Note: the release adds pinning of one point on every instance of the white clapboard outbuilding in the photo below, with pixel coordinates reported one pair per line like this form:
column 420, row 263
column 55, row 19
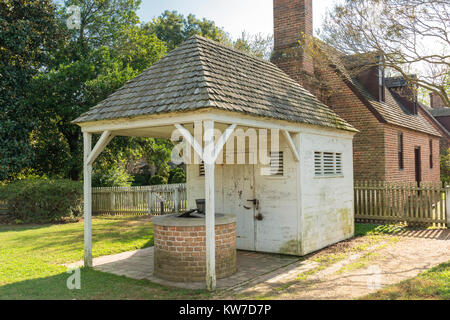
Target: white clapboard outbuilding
column 292, row 199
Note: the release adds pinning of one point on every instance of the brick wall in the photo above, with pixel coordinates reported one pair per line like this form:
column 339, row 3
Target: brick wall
column 368, row 144
column 180, row 252
column 411, row 140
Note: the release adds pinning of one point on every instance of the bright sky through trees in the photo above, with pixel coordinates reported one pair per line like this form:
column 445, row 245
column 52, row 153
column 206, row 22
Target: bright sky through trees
column 235, row 16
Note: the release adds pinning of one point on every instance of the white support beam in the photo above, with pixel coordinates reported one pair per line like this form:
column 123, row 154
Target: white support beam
column 222, row 140
column 190, row 139
column 291, row 144
column 87, row 141
column 209, row 204
column 162, row 120
column 105, row 138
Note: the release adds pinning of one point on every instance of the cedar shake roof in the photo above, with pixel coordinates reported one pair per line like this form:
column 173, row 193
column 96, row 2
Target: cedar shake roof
column 391, row 110
column 429, row 113
column 201, row 73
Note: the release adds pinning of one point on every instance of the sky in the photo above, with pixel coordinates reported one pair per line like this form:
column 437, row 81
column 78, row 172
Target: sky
column 234, row 16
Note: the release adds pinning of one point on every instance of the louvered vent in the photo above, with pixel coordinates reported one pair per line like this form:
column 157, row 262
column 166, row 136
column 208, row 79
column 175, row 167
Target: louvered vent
column 338, row 163
column 276, row 163
column 318, row 163
column 201, row 169
column 327, row 164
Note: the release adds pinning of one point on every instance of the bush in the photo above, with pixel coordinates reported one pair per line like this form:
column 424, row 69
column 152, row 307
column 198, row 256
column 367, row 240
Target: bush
column 140, row 180
column 177, row 175
column 445, row 166
column 156, row 180
column 111, row 175
column 43, row 201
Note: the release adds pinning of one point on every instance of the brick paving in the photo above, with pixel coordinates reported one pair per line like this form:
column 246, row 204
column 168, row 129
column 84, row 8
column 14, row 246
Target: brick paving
column 138, row 264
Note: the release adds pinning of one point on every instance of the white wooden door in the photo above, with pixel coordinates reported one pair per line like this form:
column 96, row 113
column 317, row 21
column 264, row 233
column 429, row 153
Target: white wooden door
column 239, row 187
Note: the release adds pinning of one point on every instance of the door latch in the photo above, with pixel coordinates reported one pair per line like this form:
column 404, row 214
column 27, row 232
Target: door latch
column 255, row 204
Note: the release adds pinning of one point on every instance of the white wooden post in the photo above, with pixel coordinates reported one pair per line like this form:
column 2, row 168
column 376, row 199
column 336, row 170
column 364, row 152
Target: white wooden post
column 175, row 199
column 447, row 205
column 87, row 137
column 150, row 202
column 208, row 158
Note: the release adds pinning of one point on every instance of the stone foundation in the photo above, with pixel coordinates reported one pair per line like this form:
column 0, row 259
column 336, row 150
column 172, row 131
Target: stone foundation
column 180, row 247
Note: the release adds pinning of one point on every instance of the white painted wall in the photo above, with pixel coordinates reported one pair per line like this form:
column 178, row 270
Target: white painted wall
column 326, row 213
column 293, row 206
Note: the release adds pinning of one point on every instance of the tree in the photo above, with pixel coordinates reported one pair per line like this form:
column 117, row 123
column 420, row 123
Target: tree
column 445, row 166
column 409, row 35
column 100, row 23
column 258, row 45
column 173, row 28
column 113, row 174
column 93, row 63
column 28, row 33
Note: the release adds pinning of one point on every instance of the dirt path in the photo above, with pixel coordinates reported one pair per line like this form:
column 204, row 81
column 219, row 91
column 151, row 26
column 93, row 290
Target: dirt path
column 388, row 262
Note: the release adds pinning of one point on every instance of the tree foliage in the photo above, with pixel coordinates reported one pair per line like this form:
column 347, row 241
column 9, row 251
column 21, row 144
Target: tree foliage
column 50, row 74
column 445, row 166
column 28, row 33
column 96, row 60
column 410, row 35
column 173, row 28
column 257, row 45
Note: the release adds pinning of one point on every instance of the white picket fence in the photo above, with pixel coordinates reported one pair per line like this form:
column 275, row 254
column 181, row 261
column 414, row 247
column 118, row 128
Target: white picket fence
column 154, row 200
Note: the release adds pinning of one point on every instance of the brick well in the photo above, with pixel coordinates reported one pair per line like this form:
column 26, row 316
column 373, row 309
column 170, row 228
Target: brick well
column 180, row 247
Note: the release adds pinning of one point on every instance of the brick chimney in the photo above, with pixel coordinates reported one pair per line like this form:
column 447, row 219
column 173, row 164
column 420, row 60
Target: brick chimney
column 292, row 19
column 436, row 101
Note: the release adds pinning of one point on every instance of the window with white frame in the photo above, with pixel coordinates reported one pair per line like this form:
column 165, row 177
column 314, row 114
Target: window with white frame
column 327, row 164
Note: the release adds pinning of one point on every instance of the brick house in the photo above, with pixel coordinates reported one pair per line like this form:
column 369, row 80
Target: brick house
column 396, row 142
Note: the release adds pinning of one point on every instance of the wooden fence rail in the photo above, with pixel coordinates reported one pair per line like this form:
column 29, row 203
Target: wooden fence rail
column 160, row 199
column 401, row 202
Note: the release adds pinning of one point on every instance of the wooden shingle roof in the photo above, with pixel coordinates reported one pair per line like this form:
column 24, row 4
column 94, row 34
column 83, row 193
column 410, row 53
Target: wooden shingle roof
column 204, row 74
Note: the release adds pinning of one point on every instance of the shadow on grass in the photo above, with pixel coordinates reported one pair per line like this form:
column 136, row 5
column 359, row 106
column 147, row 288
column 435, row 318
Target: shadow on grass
column 94, row 285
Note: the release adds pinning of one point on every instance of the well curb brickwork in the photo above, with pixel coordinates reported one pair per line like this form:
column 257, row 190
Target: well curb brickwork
column 180, row 252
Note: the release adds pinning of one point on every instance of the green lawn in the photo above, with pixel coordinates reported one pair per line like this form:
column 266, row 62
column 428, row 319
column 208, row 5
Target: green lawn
column 31, row 258
column 433, row 284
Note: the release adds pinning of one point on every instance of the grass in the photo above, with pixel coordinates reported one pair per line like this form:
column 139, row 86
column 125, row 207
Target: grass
column 31, row 258
column 434, row 284
column 368, row 229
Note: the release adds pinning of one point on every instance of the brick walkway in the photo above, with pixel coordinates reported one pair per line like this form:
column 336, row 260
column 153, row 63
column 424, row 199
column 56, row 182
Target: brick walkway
column 139, row 265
